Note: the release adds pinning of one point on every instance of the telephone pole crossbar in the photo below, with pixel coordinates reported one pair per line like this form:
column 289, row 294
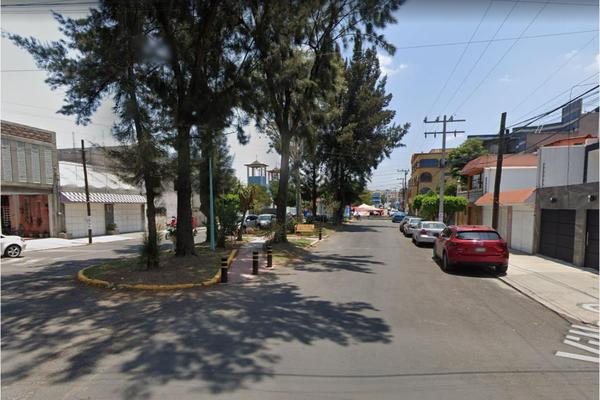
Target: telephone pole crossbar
column 444, row 132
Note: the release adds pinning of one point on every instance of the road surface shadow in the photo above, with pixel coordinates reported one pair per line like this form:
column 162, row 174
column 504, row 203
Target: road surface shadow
column 223, row 338
column 336, row 262
column 470, row 271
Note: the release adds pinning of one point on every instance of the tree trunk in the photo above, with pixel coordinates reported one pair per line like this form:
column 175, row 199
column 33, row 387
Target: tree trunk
column 185, row 236
column 314, row 189
column 153, row 256
column 282, row 191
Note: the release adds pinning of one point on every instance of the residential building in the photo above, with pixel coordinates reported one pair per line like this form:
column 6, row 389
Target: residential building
column 115, row 205
column 567, row 201
column 517, row 200
column 426, row 173
column 376, row 199
column 29, row 181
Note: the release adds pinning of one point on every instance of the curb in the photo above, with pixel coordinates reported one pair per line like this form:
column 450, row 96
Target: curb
column 106, row 284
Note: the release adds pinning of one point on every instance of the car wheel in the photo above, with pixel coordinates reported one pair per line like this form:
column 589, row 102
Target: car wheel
column 501, row 269
column 13, row 251
column 446, row 266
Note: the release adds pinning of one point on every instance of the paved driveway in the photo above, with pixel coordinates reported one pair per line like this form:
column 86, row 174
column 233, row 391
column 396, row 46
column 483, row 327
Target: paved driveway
column 370, row 316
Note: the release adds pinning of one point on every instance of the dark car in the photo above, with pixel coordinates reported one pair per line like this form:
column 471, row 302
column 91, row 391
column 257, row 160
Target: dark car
column 471, row 245
column 398, row 216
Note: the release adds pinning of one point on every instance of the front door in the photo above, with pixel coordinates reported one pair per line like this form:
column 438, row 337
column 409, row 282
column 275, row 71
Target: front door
column 591, row 240
column 109, row 216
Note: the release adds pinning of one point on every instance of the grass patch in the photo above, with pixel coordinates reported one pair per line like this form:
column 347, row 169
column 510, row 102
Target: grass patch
column 173, row 270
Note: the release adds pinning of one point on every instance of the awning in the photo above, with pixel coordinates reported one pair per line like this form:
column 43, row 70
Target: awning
column 521, row 196
column 78, row 197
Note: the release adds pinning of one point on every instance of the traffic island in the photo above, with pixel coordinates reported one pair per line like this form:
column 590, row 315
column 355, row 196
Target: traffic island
column 174, row 273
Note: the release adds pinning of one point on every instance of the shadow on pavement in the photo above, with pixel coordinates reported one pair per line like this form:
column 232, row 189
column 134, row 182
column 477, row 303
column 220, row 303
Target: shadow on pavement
column 470, row 271
column 221, row 336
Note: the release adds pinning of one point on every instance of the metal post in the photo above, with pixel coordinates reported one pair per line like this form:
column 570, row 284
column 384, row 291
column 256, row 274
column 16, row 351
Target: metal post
column 269, row 256
column 254, row 262
column 442, row 174
column 211, row 205
column 224, row 270
column 499, row 159
column 320, row 233
column 87, row 194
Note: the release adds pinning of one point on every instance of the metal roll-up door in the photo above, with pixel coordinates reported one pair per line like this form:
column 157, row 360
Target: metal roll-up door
column 591, row 239
column 557, row 234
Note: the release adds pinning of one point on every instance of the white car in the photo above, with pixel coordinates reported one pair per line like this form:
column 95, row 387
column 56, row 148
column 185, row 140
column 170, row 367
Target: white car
column 12, row 246
column 411, row 225
column 427, row 231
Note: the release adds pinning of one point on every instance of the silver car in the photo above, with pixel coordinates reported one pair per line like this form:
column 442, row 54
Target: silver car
column 410, row 225
column 427, row 231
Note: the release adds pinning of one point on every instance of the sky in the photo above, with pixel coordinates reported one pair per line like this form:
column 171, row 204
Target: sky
column 444, row 64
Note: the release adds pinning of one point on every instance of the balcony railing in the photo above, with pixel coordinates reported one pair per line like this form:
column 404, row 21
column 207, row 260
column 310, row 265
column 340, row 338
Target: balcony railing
column 471, row 195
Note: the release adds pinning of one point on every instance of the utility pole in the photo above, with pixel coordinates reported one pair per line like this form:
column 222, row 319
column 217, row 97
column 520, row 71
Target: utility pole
column 87, row 194
column 444, row 123
column 405, row 187
column 499, row 159
column 211, row 204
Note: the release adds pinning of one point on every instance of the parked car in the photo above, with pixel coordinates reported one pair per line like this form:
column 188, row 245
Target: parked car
column 12, row 246
column 265, row 221
column 411, row 225
column 398, row 216
column 250, row 221
column 427, row 231
column 471, row 245
column 404, row 221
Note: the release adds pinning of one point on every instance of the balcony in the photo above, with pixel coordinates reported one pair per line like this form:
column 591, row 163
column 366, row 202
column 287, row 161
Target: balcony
column 471, row 195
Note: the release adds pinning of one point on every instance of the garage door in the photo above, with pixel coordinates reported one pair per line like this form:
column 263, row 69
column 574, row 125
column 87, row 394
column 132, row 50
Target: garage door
column 591, row 246
column 557, row 233
column 128, row 217
column 522, row 229
column 75, row 219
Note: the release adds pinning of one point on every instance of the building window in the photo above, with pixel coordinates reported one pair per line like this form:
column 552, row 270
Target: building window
column 429, row 163
column 35, row 164
column 425, row 177
column 21, row 163
column 48, row 166
column 6, row 162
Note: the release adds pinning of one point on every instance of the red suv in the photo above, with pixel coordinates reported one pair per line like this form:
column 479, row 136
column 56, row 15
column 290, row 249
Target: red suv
column 471, row 244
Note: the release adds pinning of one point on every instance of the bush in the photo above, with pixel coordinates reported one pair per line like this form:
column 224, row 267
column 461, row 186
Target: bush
column 227, row 210
column 429, row 206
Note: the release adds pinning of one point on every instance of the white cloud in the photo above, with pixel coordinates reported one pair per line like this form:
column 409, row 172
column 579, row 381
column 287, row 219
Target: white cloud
column 386, row 64
column 570, row 54
column 595, row 66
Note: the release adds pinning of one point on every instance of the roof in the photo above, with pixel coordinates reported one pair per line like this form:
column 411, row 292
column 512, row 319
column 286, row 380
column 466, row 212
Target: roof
column 71, row 175
column 255, row 163
column 489, row 161
column 79, row 197
column 520, row 196
column 26, row 132
column 578, row 140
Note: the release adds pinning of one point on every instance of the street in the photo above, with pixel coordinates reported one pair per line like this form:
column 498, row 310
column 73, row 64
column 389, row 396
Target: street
column 368, row 316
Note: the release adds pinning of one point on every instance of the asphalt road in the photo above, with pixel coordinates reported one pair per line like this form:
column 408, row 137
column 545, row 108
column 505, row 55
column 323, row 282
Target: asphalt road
column 370, row 316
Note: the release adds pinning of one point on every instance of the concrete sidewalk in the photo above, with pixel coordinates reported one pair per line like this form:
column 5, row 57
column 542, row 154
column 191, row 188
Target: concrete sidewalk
column 568, row 290
column 240, row 270
column 56, row 243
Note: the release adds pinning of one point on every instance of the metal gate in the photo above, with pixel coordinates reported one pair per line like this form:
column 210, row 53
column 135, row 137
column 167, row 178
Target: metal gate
column 557, row 234
column 591, row 239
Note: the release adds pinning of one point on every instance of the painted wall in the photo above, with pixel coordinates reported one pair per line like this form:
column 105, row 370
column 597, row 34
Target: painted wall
column 560, row 166
column 592, row 166
column 513, row 178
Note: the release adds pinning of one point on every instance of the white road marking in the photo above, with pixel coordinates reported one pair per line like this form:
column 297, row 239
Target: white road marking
column 577, row 357
column 573, row 338
column 585, row 328
column 597, row 343
column 590, row 307
column 582, row 346
column 580, row 333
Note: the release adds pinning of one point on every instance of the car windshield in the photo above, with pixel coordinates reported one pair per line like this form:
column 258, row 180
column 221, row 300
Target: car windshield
column 478, row 235
column 433, row 225
column 414, row 220
column 264, row 217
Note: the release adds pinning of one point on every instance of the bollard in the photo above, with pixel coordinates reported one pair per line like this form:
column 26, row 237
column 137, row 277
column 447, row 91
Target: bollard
column 269, row 257
column 224, row 269
column 320, row 233
column 255, row 263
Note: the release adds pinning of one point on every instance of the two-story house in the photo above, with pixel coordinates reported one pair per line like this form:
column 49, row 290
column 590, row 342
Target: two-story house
column 517, row 197
column 426, row 173
column 567, row 201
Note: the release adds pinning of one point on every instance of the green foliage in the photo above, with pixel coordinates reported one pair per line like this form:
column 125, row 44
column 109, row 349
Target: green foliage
column 428, row 206
column 418, row 200
column 460, row 156
column 450, row 189
column 227, row 209
column 262, row 198
column 365, row 197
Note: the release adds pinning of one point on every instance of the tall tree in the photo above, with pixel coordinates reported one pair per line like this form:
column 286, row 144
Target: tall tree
column 360, row 133
column 469, row 150
column 101, row 57
column 296, row 44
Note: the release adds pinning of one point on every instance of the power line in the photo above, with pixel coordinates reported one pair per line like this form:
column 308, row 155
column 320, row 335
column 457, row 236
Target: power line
column 460, row 58
column 480, row 56
column 501, row 58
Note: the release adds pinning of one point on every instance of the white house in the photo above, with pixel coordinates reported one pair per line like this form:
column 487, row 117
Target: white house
column 114, row 203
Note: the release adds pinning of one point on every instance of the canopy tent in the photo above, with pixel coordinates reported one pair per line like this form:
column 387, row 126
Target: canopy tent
column 365, row 209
